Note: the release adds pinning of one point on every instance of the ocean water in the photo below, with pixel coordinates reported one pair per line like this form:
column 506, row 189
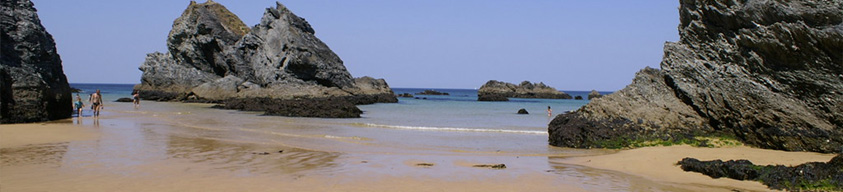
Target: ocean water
column 454, row 123
column 110, row 92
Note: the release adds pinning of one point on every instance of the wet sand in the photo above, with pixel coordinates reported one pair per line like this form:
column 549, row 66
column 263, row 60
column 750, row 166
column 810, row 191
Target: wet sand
column 37, row 133
column 141, row 150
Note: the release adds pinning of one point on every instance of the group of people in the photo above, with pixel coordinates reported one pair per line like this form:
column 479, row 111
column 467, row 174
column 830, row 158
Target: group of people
column 96, row 102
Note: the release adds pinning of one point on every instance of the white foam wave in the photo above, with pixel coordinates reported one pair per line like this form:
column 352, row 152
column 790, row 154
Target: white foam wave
column 455, row 129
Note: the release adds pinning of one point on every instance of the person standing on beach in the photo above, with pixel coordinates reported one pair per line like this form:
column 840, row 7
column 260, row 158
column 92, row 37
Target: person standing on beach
column 96, row 103
column 78, row 106
column 136, row 98
column 549, row 111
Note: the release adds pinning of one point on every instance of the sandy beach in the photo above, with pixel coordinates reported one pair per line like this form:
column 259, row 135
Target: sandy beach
column 658, row 164
column 140, row 150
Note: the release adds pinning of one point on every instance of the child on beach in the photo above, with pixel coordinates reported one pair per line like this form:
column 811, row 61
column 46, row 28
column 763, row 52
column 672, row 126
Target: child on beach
column 136, row 98
column 549, row 111
column 78, row 106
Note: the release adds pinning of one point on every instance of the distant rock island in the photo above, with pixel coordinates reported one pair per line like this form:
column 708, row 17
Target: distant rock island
column 432, row 92
column 767, row 73
column 502, row 91
column 214, row 57
column 33, row 86
column 594, row 94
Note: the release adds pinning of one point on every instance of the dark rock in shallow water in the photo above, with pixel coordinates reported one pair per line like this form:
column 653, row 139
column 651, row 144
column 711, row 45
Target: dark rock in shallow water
column 405, row 95
column 493, row 166
column 808, row 176
column 432, row 92
column 768, row 73
column 578, row 97
column 317, row 107
column 495, row 90
column 492, row 97
column 214, row 57
column 124, row 99
column 33, row 86
column 523, row 111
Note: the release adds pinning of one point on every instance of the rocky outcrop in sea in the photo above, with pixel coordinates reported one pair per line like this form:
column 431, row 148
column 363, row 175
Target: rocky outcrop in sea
column 33, row 86
column 501, row 91
column 214, row 57
column 432, row 92
column 769, row 73
column 594, row 94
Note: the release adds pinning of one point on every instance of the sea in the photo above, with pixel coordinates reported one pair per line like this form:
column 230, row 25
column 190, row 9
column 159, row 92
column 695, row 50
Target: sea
column 454, row 123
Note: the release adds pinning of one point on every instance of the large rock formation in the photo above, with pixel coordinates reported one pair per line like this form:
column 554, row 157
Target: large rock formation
column 32, row 83
column 500, row 91
column 769, row 73
column 213, row 56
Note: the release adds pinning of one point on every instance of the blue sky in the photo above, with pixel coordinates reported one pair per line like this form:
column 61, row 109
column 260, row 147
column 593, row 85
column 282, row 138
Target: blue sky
column 570, row 45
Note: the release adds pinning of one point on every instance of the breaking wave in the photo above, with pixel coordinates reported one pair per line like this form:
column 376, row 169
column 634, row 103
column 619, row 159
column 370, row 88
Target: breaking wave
column 454, row 129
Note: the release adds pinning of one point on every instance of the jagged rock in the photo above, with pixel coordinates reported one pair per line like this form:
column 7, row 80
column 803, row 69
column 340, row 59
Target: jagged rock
column 33, row 86
column 213, row 57
column 523, row 111
column 578, row 97
column 200, row 35
column 285, row 41
column 432, row 92
column 808, row 176
column 374, row 90
column 495, row 90
column 164, row 79
column 766, row 72
column 593, row 94
column 219, row 89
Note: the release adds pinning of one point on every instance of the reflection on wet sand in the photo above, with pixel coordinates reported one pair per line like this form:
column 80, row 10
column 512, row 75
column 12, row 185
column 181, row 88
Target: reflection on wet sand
column 604, row 180
column 248, row 158
column 50, row 154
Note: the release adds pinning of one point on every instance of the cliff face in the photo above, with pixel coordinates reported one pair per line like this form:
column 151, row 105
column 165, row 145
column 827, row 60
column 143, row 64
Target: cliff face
column 769, row 73
column 500, row 91
column 213, row 56
column 32, row 83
